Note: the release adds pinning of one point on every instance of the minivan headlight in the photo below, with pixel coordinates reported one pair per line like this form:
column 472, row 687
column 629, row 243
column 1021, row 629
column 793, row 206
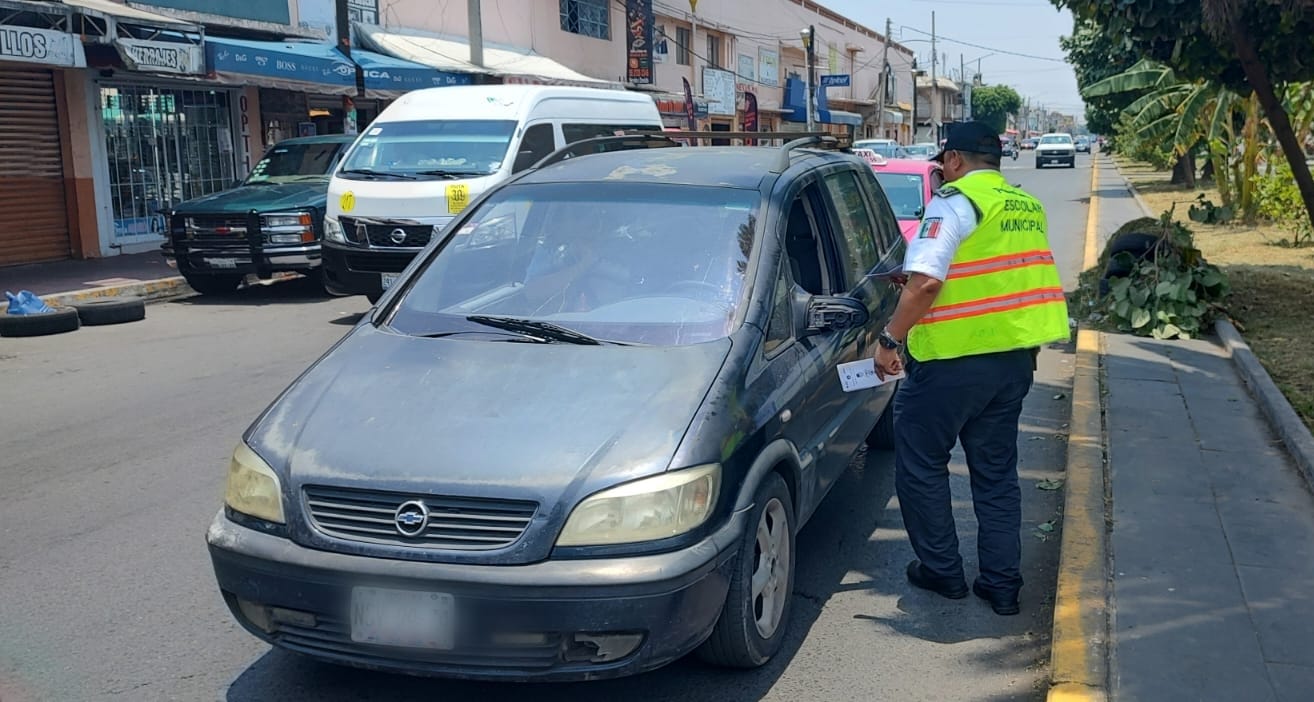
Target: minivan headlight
column 253, row 487
column 654, row 508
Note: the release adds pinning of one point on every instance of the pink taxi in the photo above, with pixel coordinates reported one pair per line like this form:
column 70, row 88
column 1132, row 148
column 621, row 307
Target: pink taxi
column 908, row 185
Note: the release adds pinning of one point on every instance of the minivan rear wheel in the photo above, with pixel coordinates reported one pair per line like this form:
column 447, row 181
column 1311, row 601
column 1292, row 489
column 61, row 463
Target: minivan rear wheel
column 756, row 610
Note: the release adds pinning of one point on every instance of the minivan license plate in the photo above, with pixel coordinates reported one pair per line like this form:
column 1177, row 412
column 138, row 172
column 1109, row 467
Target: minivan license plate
column 408, row 618
column 387, row 279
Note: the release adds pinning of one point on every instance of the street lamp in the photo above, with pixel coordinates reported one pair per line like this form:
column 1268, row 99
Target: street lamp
column 915, row 73
column 807, row 33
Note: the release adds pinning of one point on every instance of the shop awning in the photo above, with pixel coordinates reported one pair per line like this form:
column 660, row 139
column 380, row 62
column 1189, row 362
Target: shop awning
column 303, row 67
column 513, row 65
column 113, row 12
column 38, row 32
column 387, row 76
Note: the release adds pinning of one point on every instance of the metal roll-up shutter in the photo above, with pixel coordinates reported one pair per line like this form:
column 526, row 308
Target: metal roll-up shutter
column 31, row 169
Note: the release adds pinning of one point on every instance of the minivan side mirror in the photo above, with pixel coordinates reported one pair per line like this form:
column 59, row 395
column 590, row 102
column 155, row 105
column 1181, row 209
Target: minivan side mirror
column 827, row 313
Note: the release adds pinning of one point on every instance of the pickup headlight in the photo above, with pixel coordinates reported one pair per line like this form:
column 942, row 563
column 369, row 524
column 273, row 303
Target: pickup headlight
column 288, row 227
column 253, row 487
column 654, row 508
column 333, row 230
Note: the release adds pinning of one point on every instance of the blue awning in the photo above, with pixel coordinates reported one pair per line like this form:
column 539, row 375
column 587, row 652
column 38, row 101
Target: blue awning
column 305, row 67
column 386, row 76
column 795, row 102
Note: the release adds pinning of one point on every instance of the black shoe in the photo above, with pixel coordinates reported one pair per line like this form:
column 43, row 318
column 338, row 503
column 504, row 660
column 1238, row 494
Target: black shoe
column 953, row 588
column 1004, row 603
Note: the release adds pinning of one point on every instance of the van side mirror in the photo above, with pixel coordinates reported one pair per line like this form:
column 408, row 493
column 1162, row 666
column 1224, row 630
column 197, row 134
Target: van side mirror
column 827, row 313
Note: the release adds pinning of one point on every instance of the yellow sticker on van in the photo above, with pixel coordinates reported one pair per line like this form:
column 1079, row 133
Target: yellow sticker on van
column 347, row 202
column 458, row 196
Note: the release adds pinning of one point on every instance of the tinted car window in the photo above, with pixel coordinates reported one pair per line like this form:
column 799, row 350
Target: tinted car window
column 579, row 132
column 413, row 149
column 780, row 327
column 537, row 143
column 637, row 262
column 854, row 224
column 286, row 162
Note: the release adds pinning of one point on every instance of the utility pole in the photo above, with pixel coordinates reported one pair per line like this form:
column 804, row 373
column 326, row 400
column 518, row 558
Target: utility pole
column 962, row 96
column 885, row 81
column 476, row 33
column 810, row 42
column 343, row 21
column 935, row 104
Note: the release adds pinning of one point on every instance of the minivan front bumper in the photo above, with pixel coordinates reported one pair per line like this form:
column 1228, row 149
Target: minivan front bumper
column 556, row 620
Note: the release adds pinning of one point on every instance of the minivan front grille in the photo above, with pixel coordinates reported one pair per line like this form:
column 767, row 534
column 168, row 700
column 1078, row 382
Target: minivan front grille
column 455, row 523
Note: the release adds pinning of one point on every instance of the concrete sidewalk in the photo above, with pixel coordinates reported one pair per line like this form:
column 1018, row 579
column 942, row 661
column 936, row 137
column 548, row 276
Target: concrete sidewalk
column 1212, row 537
column 145, row 275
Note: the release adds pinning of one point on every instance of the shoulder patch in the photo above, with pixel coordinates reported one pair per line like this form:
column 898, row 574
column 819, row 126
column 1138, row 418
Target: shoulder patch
column 947, row 191
column 930, row 228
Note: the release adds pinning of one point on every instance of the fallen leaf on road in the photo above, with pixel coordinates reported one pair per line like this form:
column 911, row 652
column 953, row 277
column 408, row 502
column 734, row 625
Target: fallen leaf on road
column 1059, row 396
column 1049, row 484
column 1046, row 527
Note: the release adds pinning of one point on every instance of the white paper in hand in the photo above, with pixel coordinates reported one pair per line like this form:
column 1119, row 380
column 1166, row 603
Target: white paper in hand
column 860, row 375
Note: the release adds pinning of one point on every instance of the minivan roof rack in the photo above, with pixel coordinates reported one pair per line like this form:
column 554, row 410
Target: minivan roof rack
column 628, row 141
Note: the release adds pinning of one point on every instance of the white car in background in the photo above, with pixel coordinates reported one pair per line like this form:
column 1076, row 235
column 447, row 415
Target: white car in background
column 1056, row 148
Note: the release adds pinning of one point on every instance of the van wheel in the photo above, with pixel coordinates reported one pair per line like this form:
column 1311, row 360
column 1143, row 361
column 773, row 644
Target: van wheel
column 881, row 437
column 755, row 615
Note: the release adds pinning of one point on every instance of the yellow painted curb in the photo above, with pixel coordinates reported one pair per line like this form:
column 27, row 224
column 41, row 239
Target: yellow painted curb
column 1078, row 657
column 147, row 289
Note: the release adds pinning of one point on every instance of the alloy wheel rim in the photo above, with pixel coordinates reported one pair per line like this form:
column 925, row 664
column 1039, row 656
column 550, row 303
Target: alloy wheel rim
column 771, row 567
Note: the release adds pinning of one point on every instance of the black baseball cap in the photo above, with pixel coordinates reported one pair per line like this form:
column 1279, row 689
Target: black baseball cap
column 972, row 137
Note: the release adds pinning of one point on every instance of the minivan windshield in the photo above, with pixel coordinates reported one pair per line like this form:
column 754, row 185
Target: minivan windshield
column 429, row 149
column 286, row 163
column 641, row 263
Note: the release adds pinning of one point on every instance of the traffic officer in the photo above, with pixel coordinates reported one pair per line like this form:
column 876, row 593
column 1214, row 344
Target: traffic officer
column 982, row 296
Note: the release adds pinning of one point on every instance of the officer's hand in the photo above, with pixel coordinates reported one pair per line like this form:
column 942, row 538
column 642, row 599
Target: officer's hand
column 888, row 362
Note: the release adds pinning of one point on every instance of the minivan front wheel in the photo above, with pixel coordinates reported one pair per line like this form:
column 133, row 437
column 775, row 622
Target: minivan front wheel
column 756, row 611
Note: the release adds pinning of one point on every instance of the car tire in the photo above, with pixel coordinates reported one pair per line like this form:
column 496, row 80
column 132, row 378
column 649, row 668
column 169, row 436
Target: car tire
column 1138, row 244
column 742, row 638
column 214, row 284
column 114, row 310
column 1039, row 164
column 1073, row 162
column 58, row 321
column 881, row 437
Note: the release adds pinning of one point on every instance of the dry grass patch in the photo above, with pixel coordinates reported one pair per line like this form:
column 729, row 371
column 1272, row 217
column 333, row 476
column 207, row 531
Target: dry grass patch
column 1272, row 286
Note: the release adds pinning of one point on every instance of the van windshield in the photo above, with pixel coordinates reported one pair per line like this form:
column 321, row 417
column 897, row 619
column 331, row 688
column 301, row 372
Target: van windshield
column 429, row 149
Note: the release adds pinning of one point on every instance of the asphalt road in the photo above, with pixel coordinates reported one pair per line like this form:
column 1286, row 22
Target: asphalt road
column 113, row 448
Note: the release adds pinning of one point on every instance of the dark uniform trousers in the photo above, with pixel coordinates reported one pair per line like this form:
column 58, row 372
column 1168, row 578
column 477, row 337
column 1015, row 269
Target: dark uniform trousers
column 978, row 400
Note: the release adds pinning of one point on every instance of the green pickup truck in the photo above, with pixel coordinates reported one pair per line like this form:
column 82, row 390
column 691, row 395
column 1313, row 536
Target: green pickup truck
column 271, row 222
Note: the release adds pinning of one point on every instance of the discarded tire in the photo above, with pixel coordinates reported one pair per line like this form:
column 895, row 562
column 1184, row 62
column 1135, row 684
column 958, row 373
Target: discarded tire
column 1140, row 245
column 114, row 310
column 62, row 319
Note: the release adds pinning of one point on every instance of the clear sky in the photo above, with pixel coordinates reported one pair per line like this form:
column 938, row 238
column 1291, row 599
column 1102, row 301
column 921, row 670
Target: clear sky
column 1030, row 27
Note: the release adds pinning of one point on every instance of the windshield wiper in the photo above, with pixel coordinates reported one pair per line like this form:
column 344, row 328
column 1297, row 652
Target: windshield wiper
column 543, row 330
column 449, row 174
column 376, row 174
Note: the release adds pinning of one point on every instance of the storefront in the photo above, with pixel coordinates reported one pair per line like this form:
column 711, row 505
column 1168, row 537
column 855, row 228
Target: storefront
column 33, row 129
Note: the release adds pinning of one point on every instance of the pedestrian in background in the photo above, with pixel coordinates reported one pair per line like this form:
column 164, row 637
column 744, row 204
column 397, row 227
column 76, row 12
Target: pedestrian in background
column 983, row 295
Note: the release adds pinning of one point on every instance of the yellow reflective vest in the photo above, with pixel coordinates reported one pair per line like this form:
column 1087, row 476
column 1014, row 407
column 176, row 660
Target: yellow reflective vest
column 1002, row 291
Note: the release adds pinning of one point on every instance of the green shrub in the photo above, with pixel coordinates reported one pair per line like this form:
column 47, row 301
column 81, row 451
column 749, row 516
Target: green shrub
column 1172, row 294
column 1278, row 199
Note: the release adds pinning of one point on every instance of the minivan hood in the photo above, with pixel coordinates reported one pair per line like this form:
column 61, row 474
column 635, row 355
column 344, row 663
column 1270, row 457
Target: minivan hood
column 262, row 198
column 470, row 416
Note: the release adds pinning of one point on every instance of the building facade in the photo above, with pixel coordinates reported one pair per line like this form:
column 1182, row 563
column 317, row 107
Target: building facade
column 115, row 111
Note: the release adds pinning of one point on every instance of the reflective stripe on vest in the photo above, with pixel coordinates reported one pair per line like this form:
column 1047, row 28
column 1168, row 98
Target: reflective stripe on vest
column 1002, row 291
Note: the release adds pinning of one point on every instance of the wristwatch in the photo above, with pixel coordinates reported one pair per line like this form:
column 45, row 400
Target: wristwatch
column 887, row 340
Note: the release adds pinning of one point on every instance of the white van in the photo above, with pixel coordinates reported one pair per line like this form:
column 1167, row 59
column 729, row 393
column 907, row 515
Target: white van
column 433, row 151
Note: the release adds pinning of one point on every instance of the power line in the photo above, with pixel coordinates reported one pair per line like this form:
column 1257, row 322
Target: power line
column 941, row 37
